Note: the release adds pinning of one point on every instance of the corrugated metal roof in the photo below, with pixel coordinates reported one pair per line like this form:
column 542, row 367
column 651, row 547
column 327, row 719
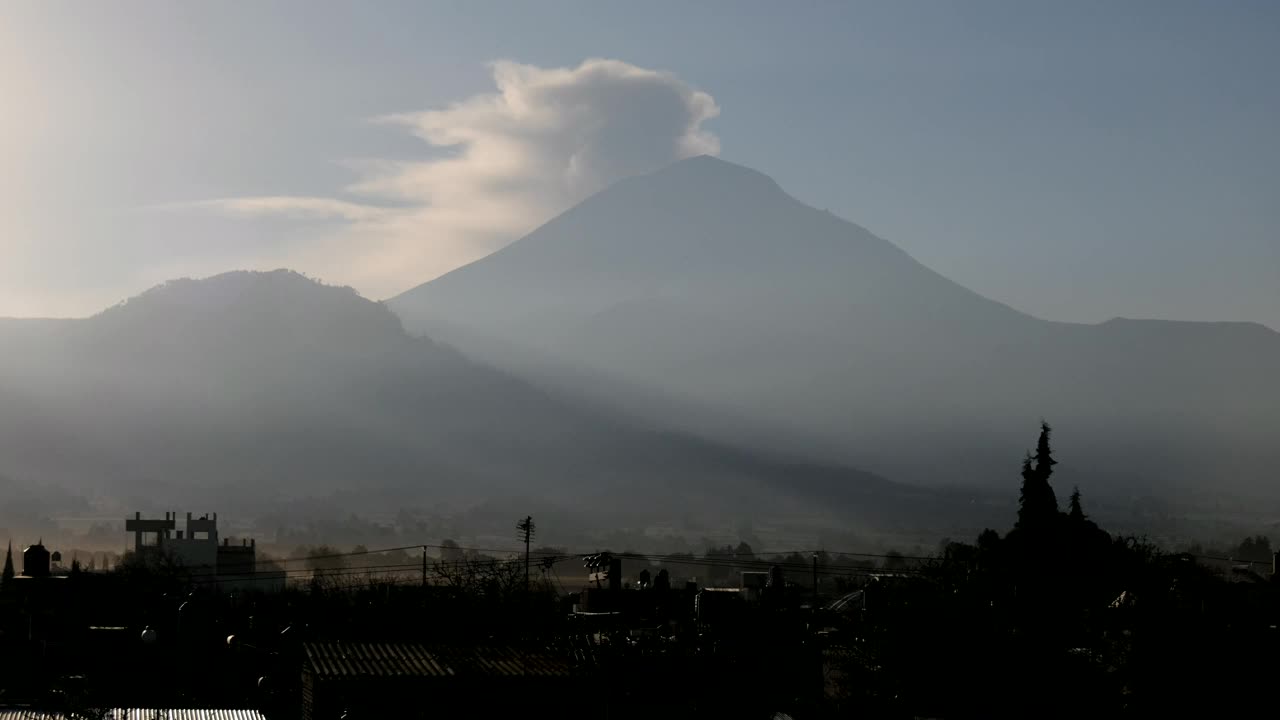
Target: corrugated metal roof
column 143, row 714
column 186, row 714
column 412, row 660
column 374, row 659
column 506, row 661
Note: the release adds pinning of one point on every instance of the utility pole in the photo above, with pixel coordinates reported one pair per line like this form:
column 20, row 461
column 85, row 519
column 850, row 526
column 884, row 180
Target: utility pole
column 424, row 567
column 527, row 529
column 815, row 582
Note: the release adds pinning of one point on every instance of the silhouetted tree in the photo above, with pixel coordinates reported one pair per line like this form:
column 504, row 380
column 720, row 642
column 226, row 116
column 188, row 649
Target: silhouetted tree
column 662, row 583
column 1076, row 513
column 1044, row 455
column 1254, row 549
column 1038, row 505
column 483, row 578
column 8, row 563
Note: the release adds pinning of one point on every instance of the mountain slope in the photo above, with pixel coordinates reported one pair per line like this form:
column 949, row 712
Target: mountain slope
column 254, row 387
column 705, row 281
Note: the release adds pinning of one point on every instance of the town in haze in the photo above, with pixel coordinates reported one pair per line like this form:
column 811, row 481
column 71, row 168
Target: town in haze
column 411, row 360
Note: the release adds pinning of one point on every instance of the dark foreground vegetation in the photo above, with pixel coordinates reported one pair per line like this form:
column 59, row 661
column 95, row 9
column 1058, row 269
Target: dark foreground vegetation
column 1054, row 618
column 1059, row 618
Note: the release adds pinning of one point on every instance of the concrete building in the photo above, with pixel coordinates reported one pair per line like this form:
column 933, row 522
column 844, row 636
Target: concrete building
column 197, row 548
column 237, row 559
column 194, row 547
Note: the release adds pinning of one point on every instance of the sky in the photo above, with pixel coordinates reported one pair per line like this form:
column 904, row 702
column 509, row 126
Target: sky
column 1079, row 161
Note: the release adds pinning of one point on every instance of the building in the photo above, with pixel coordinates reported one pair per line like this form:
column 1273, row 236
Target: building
column 718, row 606
column 197, row 548
column 28, row 713
column 35, row 560
column 402, row 680
column 754, row 585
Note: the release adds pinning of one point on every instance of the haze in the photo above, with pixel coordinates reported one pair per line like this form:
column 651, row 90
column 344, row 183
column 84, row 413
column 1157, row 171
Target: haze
column 836, row 263
column 690, row 359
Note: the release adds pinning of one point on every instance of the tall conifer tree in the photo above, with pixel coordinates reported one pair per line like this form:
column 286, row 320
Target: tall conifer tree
column 1038, row 505
column 1076, row 512
column 8, row 563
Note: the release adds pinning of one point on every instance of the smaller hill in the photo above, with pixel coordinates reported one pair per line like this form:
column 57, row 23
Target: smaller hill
column 249, row 388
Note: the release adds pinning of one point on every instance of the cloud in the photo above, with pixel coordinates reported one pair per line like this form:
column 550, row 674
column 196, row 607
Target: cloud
column 297, row 207
column 505, row 162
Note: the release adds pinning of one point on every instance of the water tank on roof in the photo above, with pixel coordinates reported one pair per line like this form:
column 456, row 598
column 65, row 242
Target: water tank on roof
column 35, row 561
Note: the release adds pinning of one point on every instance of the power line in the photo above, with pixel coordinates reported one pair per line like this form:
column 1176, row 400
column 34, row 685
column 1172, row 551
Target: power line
column 837, row 553
column 831, row 553
column 342, row 570
column 400, row 573
column 714, row 561
column 558, row 582
column 1231, row 559
column 557, row 557
column 349, row 554
column 297, row 573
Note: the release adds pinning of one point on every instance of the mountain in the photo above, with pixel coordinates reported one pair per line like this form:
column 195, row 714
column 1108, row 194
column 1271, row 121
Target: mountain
column 770, row 323
column 248, row 389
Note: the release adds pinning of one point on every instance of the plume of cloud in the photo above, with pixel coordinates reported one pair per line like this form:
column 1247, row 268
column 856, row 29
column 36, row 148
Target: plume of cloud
column 294, row 206
column 506, row 162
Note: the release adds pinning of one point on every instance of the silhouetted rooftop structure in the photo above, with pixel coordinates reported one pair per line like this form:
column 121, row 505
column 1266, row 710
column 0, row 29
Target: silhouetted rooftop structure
column 418, row 681
column 415, row 660
column 35, row 561
column 140, row 714
column 233, row 565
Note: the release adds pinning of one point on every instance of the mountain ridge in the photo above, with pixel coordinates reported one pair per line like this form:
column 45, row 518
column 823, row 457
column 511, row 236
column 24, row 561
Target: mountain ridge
column 700, row 167
column 254, row 388
column 703, row 281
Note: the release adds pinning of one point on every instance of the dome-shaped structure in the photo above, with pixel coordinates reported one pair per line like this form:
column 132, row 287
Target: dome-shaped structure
column 35, row 561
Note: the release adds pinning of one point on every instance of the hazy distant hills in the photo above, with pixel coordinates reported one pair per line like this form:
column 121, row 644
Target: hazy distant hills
column 705, row 297
column 689, row 345
column 253, row 387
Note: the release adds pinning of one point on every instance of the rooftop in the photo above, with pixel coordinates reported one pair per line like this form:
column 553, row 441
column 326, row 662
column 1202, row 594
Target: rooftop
column 414, row 660
column 141, row 714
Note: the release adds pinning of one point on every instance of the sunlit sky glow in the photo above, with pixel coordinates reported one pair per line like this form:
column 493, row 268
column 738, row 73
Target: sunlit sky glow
column 1076, row 160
